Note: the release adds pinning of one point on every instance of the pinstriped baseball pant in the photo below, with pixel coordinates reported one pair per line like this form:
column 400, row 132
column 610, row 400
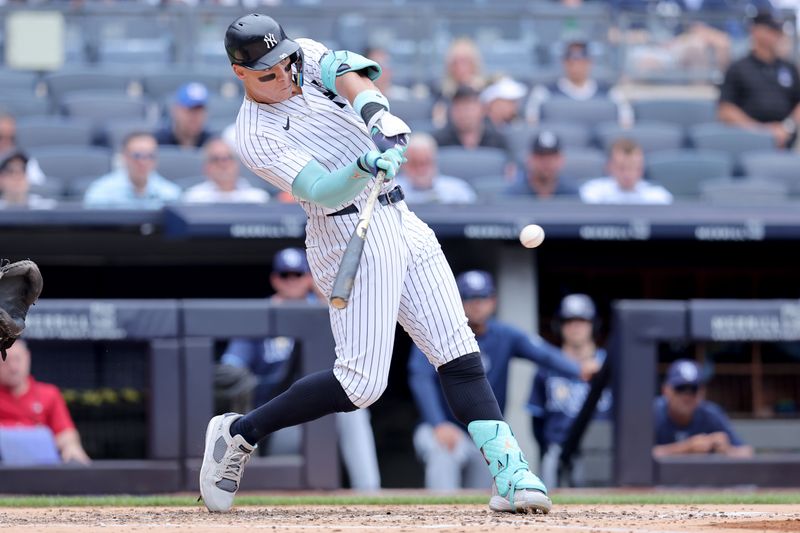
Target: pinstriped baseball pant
column 403, row 277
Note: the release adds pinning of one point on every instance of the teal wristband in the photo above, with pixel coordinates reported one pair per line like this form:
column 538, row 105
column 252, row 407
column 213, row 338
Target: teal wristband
column 370, row 96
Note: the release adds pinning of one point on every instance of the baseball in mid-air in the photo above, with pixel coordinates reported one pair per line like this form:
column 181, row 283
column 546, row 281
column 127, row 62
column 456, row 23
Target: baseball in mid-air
column 531, row 236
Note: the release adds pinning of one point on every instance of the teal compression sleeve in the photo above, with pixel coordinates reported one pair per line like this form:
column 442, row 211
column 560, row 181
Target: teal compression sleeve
column 329, row 189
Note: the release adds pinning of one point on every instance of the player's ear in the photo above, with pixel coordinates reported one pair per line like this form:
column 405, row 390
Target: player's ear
column 239, row 71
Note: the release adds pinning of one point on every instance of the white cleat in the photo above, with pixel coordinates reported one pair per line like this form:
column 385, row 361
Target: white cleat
column 525, row 501
column 223, row 463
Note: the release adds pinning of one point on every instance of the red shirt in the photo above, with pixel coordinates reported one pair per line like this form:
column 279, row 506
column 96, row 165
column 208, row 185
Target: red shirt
column 41, row 405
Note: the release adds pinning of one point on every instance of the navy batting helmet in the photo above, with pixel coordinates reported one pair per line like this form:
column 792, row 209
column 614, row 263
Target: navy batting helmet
column 258, row 42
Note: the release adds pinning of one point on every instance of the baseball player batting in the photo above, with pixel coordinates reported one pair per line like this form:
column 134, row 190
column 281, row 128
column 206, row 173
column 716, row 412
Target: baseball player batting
column 313, row 124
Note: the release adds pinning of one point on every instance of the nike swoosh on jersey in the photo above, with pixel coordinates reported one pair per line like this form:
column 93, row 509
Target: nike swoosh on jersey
column 286, row 127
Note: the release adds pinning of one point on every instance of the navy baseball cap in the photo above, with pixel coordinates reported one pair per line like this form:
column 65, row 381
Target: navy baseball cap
column 290, row 260
column 192, row 94
column 577, row 306
column 475, row 284
column 546, row 142
column 768, row 18
column 684, row 372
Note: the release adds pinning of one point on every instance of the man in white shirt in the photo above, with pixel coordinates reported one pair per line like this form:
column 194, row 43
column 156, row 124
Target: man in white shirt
column 223, row 183
column 625, row 183
column 420, row 178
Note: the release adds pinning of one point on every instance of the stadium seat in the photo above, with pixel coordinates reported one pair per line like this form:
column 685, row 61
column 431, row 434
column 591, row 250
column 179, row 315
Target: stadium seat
column 73, row 162
column 681, row 171
column 733, row 141
column 685, row 113
column 175, row 163
column 582, row 164
column 115, row 131
column 23, row 104
column 99, row 107
column 587, row 112
column 34, row 132
column 162, row 85
column 224, row 108
column 651, row 136
column 60, row 84
column 53, row 187
column 156, row 53
column 746, row 191
column 469, row 164
column 783, row 167
column 413, row 109
column 17, row 80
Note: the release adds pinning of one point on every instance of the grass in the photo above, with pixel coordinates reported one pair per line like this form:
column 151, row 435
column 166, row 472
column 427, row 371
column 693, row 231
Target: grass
column 594, row 498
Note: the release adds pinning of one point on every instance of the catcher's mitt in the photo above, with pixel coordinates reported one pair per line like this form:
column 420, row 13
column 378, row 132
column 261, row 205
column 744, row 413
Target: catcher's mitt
column 20, row 287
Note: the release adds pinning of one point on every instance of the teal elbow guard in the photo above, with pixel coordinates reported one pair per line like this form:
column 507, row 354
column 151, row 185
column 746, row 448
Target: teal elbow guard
column 334, row 64
column 329, row 189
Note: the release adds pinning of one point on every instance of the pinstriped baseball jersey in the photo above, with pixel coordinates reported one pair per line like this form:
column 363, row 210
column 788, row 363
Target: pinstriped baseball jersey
column 403, row 275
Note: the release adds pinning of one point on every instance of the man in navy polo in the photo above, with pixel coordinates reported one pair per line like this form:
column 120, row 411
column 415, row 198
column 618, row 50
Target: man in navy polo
column 685, row 423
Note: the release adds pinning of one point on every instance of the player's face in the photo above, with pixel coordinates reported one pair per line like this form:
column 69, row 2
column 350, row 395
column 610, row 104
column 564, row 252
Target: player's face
column 683, row 400
column 222, row 167
column 16, row 368
column 268, row 86
column 291, row 285
column 479, row 310
column 627, row 168
column 576, row 332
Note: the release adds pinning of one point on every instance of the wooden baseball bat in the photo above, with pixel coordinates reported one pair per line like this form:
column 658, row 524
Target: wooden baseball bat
column 343, row 284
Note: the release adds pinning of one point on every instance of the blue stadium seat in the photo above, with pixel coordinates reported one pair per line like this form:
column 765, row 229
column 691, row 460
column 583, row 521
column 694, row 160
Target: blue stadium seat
column 685, row 113
column 744, row 191
column 175, row 163
column 469, row 164
column 681, row 171
column 651, row 136
column 74, row 161
column 23, row 104
column 571, row 135
column 733, row 141
column 783, row 167
column 587, row 112
column 60, row 84
column 413, row 109
column 161, row 85
column 99, row 107
column 34, row 132
column 115, row 131
column 582, row 164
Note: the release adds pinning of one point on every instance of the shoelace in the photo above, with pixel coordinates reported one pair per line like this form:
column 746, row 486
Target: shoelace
column 234, row 465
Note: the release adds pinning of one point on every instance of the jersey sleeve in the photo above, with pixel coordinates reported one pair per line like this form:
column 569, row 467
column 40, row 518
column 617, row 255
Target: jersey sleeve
column 536, row 349
column 719, row 421
column 312, row 54
column 58, row 417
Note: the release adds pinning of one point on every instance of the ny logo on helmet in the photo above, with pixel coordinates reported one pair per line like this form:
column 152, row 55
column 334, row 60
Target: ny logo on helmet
column 270, row 40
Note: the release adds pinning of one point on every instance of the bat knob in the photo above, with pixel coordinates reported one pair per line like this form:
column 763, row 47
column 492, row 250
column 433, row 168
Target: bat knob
column 338, row 302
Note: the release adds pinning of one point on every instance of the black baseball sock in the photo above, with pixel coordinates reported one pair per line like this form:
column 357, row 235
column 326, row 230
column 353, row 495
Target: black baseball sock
column 308, row 398
column 467, row 391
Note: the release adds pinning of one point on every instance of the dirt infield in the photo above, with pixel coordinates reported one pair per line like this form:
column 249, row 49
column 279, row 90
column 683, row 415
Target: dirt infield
column 374, row 518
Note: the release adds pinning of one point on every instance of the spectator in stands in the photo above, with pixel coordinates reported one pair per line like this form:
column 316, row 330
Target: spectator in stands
column 762, row 90
column 468, row 126
column 463, row 67
column 685, row 423
column 8, row 140
column 625, row 183
column 25, row 402
column 502, row 100
column 272, row 363
column 421, row 180
column 440, row 441
column 15, row 184
column 541, row 176
column 137, row 184
column 577, row 84
column 556, row 400
column 223, row 183
column 187, row 128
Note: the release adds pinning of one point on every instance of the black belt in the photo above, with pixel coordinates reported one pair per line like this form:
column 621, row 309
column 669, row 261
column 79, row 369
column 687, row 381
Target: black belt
column 391, row 197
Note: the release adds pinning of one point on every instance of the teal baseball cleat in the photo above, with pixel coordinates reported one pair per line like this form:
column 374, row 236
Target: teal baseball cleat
column 515, row 488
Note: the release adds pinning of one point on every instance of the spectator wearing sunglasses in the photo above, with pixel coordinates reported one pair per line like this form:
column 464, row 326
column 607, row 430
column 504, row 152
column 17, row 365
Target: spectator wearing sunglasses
column 685, row 423
column 137, row 184
column 222, row 183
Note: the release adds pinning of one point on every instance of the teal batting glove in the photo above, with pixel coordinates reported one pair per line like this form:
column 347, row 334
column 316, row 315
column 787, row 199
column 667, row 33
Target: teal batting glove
column 389, row 161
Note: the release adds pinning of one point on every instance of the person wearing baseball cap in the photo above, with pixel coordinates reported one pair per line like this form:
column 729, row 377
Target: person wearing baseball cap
column 502, row 100
column 467, row 125
column 555, row 400
column 577, row 84
column 761, row 91
column 15, row 182
column 189, row 115
column 541, row 177
column 440, row 441
column 686, row 423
